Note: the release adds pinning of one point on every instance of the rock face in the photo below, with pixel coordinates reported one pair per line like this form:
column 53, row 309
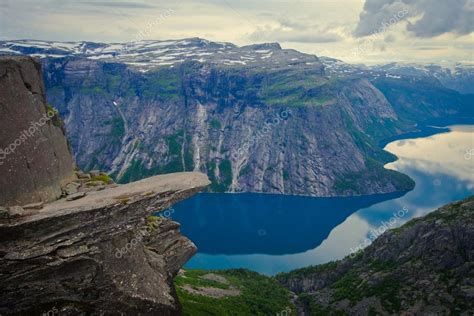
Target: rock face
column 101, row 253
column 35, row 160
column 422, row 268
column 255, row 119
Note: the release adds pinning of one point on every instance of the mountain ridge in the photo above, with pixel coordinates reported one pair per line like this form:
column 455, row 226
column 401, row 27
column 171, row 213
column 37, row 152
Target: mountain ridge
column 203, row 106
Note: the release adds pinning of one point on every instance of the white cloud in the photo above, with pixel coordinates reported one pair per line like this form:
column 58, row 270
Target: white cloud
column 322, row 27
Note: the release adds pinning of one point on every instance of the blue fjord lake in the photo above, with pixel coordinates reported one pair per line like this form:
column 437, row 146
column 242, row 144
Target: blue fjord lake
column 271, row 233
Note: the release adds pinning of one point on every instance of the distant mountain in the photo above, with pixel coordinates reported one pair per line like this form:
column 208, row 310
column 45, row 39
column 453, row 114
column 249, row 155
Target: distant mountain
column 424, row 267
column 257, row 118
column 148, row 55
column 460, row 77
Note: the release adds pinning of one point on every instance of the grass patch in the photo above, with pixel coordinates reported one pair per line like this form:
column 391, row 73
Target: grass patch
column 260, row 295
column 102, row 177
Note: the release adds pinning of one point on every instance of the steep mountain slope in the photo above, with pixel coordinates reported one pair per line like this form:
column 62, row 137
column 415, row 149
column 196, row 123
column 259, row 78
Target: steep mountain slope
column 256, row 118
column 419, row 94
column 224, row 121
column 424, row 267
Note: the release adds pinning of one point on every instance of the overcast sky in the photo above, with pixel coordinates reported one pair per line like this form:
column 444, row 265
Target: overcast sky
column 352, row 30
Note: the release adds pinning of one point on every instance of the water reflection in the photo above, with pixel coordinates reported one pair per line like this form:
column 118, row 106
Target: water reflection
column 270, row 234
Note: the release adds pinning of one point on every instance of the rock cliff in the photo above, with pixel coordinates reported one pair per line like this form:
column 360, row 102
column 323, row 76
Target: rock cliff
column 35, row 160
column 278, row 126
column 424, row 267
column 102, row 251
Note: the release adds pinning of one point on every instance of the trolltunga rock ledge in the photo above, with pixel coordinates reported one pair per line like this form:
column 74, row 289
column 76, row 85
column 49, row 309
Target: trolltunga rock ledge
column 89, row 255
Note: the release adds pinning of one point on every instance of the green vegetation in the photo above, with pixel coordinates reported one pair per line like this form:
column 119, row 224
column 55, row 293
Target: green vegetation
column 259, row 295
column 215, row 124
column 53, row 114
column 293, row 88
column 174, row 147
column 152, row 222
column 194, row 278
column 226, row 171
column 245, row 170
column 383, row 266
column 224, row 181
column 316, row 309
column 349, row 287
column 102, row 177
column 117, row 127
column 373, row 173
column 387, row 291
column 175, row 142
column 304, row 272
column 164, row 83
column 449, row 214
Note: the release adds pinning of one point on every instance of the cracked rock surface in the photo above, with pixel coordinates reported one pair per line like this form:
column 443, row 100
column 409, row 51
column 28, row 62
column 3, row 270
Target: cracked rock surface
column 101, row 253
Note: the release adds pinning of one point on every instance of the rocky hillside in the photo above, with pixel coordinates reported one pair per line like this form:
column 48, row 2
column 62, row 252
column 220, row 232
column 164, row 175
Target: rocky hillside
column 424, row 267
column 101, row 251
column 257, row 118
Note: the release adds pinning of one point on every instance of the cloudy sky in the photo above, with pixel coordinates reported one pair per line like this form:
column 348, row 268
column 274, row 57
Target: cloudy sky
column 369, row 31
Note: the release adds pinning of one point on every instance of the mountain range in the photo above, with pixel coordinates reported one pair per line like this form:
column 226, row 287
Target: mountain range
column 256, row 118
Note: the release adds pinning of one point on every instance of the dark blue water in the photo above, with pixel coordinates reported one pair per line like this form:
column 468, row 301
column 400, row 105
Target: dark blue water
column 275, row 233
column 264, row 223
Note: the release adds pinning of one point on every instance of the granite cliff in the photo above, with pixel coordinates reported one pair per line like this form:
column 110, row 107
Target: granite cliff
column 102, row 249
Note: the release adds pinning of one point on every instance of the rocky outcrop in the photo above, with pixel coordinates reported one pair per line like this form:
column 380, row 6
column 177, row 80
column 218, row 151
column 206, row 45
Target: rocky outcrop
column 101, row 253
column 35, row 160
column 424, row 267
column 103, row 249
